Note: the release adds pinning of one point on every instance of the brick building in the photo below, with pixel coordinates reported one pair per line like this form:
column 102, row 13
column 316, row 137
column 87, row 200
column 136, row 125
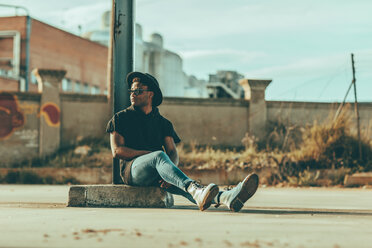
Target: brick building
column 50, row 48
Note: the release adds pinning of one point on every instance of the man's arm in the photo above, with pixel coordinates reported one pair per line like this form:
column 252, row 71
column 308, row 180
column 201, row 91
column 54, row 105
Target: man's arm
column 171, row 150
column 119, row 150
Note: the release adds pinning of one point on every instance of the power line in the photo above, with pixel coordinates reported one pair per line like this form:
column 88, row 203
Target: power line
column 328, row 83
column 312, row 80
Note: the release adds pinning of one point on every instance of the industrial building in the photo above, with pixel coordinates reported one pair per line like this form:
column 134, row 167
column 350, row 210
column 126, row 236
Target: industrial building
column 151, row 56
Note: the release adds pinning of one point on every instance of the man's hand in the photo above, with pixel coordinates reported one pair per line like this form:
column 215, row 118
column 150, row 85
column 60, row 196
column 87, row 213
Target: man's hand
column 171, row 150
column 164, row 184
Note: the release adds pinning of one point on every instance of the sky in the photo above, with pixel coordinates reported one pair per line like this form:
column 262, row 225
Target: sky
column 303, row 46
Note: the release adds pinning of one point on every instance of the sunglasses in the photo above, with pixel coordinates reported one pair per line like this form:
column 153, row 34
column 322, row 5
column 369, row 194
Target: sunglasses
column 137, row 92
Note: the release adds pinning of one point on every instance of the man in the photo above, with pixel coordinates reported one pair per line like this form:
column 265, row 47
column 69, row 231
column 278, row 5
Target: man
column 144, row 141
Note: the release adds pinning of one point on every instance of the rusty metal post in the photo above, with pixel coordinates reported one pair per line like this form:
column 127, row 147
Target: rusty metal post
column 28, row 35
column 356, row 108
column 122, row 45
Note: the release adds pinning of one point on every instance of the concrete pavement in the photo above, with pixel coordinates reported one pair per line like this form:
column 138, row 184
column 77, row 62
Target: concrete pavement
column 36, row 216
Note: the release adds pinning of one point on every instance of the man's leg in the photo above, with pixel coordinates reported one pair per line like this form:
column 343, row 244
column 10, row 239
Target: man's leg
column 148, row 169
column 233, row 198
column 177, row 191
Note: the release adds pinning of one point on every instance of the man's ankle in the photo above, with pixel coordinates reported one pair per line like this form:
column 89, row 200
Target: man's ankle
column 187, row 184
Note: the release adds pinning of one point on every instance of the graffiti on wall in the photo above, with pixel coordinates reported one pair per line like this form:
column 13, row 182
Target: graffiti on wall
column 29, row 109
column 11, row 117
column 29, row 136
column 51, row 113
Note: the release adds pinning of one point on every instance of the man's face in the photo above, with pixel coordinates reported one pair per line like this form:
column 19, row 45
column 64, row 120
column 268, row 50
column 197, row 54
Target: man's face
column 142, row 97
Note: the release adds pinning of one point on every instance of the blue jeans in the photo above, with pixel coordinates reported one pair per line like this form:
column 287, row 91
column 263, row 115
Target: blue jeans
column 148, row 169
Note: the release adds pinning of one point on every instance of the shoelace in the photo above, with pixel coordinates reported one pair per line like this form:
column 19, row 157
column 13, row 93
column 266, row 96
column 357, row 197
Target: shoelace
column 228, row 188
column 195, row 184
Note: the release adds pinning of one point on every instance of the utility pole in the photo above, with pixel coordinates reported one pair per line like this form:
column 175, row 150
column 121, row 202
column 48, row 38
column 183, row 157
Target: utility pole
column 353, row 83
column 356, row 108
column 120, row 62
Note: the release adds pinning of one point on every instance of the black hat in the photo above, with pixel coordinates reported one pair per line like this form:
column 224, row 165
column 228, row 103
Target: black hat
column 150, row 81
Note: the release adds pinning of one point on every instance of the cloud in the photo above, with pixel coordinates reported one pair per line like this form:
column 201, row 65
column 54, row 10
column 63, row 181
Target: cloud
column 249, row 17
column 192, row 54
column 203, row 62
column 87, row 16
column 323, row 78
column 304, row 66
column 67, row 15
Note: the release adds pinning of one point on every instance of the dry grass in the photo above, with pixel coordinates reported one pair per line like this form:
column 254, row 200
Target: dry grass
column 210, row 158
column 331, row 145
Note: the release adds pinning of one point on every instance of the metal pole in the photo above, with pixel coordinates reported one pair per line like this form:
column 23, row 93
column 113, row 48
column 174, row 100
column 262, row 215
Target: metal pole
column 122, row 60
column 343, row 102
column 356, row 108
column 110, row 81
column 28, row 34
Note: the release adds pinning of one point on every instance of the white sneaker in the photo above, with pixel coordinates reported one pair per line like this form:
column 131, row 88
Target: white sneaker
column 236, row 197
column 203, row 195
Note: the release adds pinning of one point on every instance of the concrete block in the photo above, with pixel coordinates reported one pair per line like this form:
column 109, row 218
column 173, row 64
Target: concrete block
column 119, row 196
column 358, row 179
column 77, row 196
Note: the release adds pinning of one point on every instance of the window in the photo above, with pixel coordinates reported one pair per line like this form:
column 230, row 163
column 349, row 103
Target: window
column 33, row 78
column 95, row 90
column 77, row 87
column 86, row 88
column 66, row 84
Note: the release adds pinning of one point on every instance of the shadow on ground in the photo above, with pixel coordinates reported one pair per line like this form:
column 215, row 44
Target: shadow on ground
column 286, row 211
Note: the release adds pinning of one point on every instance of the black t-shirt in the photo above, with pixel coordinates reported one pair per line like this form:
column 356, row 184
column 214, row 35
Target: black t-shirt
column 141, row 131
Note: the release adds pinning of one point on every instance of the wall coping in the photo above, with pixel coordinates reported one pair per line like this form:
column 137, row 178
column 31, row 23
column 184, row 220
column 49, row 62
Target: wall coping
column 24, row 96
column 73, row 97
column 206, row 101
column 299, row 104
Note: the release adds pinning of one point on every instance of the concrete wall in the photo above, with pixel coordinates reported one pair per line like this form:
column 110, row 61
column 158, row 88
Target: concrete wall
column 19, row 126
column 299, row 113
column 83, row 116
column 196, row 120
column 302, row 113
column 207, row 121
column 30, row 122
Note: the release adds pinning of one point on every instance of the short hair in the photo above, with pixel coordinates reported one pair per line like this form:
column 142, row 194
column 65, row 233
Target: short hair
column 143, row 82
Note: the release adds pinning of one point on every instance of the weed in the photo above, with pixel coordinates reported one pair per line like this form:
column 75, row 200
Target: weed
column 337, row 176
column 306, row 178
column 29, row 177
